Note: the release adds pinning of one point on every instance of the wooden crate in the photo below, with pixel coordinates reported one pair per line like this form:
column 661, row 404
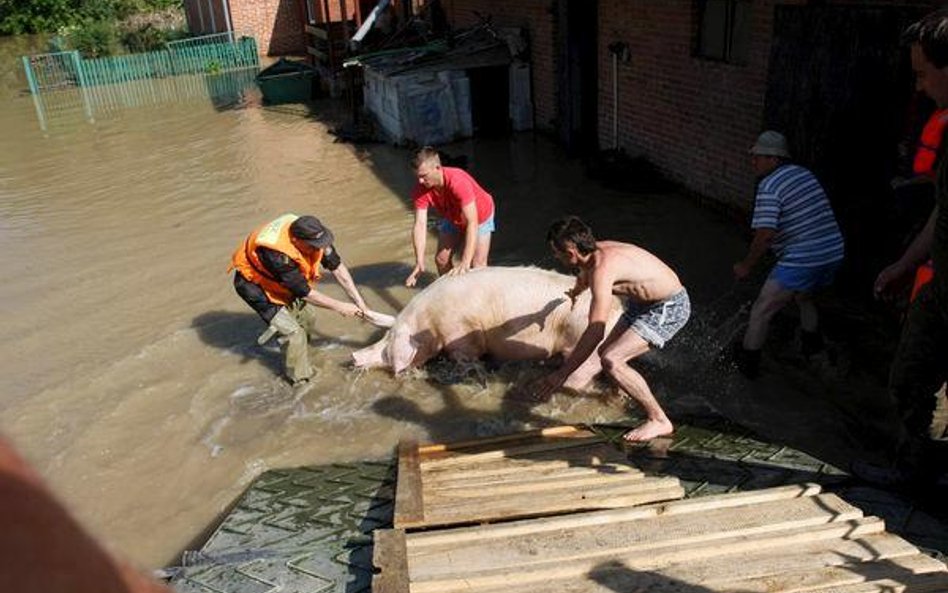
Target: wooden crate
column 782, row 540
column 558, row 470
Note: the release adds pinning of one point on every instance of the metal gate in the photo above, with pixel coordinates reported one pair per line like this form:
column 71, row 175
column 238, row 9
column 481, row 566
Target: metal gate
column 65, row 82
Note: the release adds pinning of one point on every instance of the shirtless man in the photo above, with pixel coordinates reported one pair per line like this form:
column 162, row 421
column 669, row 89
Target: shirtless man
column 657, row 306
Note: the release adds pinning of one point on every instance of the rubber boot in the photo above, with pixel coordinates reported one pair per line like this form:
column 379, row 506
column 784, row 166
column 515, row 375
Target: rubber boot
column 295, row 345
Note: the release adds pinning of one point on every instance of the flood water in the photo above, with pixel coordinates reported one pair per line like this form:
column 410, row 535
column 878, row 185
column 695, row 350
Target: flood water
column 130, row 373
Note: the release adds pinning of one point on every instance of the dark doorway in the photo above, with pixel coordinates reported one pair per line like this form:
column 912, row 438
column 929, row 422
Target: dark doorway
column 840, row 87
column 577, row 75
column 490, row 100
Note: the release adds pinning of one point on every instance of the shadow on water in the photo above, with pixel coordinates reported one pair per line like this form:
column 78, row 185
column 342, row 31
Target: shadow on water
column 237, row 333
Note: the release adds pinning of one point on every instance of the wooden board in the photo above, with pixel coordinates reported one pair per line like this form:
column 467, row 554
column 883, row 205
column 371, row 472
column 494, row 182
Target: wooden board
column 533, row 494
column 557, row 470
column 792, row 539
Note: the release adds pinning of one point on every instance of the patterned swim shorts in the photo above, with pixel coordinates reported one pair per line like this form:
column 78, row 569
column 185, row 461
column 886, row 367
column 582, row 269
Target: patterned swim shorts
column 657, row 323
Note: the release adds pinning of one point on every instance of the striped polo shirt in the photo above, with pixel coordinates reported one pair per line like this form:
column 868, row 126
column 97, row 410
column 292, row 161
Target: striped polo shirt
column 791, row 201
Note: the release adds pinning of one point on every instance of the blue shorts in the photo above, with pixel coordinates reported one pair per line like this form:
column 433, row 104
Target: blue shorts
column 656, row 323
column 485, row 228
column 800, row 279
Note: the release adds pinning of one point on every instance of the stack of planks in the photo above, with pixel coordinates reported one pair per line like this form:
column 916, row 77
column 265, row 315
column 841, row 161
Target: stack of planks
column 557, row 470
column 781, row 540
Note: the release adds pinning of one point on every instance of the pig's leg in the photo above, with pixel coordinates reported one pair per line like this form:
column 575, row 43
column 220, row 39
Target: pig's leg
column 466, row 348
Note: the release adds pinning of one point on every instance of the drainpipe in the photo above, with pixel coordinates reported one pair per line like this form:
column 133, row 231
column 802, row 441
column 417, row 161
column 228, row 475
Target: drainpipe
column 615, row 103
column 200, row 16
column 225, row 4
column 619, row 50
column 210, row 9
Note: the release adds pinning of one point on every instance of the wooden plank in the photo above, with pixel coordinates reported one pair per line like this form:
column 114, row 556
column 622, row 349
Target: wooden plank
column 548, row 491
column 450, row 537
column 607, row 540
column 520, row 451
column 462, row 575
column 389, row 556
column 525, row 476
column 553, row 431
column 315, row 52
column 620, row 576
column 409, row 497
column 803, row 580
column 532, row 505
column 934, row 582
column 591, row 456
column 772, row 562
column 542, row 484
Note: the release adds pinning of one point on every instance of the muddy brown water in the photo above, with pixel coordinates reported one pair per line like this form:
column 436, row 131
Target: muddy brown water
column 130, row 374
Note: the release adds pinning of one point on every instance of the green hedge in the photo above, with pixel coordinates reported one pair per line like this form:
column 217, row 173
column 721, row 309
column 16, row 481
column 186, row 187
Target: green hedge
column 48, row 16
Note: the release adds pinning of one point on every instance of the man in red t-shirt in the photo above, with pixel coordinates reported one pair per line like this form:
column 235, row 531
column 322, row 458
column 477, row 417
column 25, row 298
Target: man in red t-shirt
column 467, row 213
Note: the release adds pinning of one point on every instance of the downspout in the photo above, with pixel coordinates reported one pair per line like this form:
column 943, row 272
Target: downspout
column 200, row 16
column 225, row 4
column 619, row 50
column 210, row 9
column 615, row 102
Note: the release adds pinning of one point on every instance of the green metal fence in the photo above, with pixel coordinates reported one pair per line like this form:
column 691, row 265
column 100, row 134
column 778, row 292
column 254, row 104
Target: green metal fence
column 202, row 40
column 64, row 84
column 55, row 71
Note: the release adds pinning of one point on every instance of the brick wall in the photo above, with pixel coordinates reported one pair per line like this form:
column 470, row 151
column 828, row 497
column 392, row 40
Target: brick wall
column 692, row 117
column 277, row 25
column 533, row 15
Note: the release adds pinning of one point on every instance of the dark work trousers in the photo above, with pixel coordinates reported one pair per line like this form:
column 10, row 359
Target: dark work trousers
column 255, row 297
column 919, row 370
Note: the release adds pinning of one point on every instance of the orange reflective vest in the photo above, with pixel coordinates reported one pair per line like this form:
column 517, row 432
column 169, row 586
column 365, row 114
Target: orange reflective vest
column 929, row 144
column 923, row 275
column 275, row 235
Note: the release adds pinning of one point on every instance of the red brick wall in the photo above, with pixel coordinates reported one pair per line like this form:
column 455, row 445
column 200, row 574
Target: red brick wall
column 692, row 117
column 277, row 25
column 534, row 16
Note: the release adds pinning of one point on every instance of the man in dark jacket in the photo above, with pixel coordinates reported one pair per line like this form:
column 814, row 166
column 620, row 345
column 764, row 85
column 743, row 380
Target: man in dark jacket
column 920, row 366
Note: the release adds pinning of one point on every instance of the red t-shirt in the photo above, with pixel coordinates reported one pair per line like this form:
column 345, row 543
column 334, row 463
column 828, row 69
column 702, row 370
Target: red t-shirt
column 459, row 189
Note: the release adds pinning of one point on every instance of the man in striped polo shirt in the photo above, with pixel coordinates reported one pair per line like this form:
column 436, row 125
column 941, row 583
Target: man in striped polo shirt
column 793, row 217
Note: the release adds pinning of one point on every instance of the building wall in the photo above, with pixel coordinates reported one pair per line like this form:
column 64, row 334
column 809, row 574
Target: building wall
column 277, row 25
column 691, row 116
column 205, row 16
column 536, row 17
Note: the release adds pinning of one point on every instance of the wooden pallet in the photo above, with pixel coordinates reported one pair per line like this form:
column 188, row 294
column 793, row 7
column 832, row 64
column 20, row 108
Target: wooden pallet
column 781, row 540
column 791, row 539
column 547, row 472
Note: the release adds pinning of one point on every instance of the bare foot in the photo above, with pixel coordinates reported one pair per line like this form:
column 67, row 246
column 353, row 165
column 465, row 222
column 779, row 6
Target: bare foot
column 648, row 431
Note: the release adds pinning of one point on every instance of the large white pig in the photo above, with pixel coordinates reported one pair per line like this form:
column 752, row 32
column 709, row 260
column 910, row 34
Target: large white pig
column 507, row 313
